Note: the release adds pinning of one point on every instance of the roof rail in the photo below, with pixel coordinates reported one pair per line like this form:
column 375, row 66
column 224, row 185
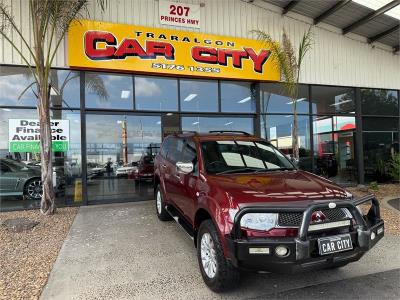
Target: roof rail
column 229, row 131
column 186, row 131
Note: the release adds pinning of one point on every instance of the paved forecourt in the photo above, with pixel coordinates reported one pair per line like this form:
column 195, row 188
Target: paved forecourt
column 122, row 251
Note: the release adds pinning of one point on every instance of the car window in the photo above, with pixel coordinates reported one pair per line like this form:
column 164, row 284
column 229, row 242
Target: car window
column 13, row 165
column 164, row 147
column 243, row 156
column 4, row 168
column 175, row 149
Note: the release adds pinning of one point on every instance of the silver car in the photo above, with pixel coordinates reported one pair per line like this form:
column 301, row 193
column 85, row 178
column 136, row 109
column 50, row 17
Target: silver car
column 18, row 179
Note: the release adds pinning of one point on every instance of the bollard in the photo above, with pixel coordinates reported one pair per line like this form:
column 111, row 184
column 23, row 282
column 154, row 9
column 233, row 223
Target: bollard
column 78, row 190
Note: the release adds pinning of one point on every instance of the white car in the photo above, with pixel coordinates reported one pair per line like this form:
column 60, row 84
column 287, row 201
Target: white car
column 125, row 170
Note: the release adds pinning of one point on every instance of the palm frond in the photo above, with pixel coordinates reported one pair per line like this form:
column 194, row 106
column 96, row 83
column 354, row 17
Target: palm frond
column 305, row 46
column 95, row 84
column 25, row 90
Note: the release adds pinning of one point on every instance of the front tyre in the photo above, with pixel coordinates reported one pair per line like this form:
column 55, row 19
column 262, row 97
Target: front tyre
column 218, row 273
column 33, row 189
column 162, row 213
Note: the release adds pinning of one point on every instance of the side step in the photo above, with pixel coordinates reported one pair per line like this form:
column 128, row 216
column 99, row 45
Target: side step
column 177, row 216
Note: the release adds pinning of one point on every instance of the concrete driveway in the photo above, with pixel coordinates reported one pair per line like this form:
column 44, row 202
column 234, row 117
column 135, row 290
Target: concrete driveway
column 122, row 251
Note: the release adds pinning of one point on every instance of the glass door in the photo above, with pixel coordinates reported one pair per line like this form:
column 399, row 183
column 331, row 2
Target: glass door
column 334, row 140
column 120, row 156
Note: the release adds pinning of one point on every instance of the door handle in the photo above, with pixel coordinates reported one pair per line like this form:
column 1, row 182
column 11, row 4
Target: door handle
column 164, row 166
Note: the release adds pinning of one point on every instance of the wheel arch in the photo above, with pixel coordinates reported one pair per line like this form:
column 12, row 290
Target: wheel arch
column 157, row 182
column 201, row 215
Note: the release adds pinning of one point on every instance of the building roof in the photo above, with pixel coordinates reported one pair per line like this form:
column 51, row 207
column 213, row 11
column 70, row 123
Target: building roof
column 377, row 25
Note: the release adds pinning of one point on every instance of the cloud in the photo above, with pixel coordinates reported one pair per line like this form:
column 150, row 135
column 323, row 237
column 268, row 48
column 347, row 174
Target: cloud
column 146, row 88
column 11, row 87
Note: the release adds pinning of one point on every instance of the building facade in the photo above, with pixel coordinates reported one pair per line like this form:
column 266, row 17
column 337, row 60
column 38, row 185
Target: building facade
column 113, row 109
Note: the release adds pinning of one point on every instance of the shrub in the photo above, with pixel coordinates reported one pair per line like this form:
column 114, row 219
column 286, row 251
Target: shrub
column 394, row 167
column 373, row 186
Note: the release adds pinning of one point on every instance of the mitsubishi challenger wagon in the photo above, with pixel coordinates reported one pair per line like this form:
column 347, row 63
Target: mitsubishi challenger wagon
column 247, row 207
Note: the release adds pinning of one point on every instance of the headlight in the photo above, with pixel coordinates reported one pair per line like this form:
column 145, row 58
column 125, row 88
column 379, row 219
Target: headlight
column 259, row 221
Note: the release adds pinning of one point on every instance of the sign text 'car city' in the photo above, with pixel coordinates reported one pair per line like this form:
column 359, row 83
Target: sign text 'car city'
column 134, row 48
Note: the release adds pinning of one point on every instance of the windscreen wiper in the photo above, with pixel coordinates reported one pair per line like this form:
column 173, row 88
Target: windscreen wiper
column 275, row 169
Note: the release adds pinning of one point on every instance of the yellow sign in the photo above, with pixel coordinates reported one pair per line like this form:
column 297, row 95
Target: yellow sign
column 109, row 46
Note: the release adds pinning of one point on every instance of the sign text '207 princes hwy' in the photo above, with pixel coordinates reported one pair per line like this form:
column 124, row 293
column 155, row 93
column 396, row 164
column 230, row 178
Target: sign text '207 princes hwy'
column 109, row 46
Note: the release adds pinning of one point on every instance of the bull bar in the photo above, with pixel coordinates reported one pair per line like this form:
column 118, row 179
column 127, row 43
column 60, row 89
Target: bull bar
column 361, row 235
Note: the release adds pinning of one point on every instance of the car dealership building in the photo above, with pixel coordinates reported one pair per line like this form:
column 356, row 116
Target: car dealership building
column 126, row 78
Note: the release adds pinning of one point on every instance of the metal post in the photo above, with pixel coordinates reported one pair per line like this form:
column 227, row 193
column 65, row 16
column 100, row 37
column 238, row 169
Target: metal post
column 256, row 119
column 359, row 149
column 83, row 139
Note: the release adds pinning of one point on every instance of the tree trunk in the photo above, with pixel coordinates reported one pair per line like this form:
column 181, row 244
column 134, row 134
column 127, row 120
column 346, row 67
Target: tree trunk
column 295, row 137
column 47, row 204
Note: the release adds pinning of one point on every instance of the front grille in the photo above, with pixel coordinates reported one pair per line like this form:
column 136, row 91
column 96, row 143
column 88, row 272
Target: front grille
column 290, row 219
column 294, row 219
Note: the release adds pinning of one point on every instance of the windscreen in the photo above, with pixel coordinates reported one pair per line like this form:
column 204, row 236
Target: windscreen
column 242, row 156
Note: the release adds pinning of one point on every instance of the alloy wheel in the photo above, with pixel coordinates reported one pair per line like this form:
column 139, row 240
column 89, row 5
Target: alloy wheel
column 34, row 189
column 208, row 256
column 159, row 202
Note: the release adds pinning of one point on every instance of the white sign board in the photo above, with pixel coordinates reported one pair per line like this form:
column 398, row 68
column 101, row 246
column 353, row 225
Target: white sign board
column 24, row 135
column 179, row 14
column 272, row 133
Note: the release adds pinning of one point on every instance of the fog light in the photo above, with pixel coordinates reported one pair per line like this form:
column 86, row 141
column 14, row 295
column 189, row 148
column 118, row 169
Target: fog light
column 372, row 236
column 258, row 250
column 281, row 251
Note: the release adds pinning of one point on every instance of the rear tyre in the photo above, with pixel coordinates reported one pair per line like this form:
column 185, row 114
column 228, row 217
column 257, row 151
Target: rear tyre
column 218, row 273
column 162, row 213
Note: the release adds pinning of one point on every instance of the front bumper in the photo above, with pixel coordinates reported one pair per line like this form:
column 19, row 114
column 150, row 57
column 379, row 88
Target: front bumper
column 303, row 249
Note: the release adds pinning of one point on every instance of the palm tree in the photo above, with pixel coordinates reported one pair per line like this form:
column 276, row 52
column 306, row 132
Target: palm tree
column 290, row 65
column 50, row 20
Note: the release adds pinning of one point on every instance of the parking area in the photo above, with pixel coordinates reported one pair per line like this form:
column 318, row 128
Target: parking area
column 122, row 251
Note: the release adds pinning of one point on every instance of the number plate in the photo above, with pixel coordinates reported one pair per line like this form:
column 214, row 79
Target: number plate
column 333, row 244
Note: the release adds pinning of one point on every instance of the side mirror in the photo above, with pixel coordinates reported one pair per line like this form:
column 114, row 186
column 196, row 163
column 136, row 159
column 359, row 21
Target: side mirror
column 184, row 167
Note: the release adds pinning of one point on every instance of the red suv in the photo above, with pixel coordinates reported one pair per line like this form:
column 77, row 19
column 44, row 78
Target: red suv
column 247, row 206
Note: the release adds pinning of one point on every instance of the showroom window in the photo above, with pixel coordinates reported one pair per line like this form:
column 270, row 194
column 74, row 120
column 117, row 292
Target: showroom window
column 67, row 164
column 380, row 124
column 158, row 94
column 199, row 95
column 381, row 143
column 20, row 160
column 108, row 91
column 238, row 97
column 206, row 124
column 334, row 148
column 120, row 160
column 16, row 87
column 277, row 129
column 379, row 148
column 379, row 102
column 66, row 89
column 274, row 99
column 332, row 100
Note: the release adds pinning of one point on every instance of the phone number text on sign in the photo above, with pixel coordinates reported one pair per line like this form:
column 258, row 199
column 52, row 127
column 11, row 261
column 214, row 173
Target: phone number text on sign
column 183, row 68
column 179, row 14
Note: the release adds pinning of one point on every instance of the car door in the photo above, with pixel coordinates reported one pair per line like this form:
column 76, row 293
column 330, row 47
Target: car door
column 8, row 180
column 170, row 174
column 188, row 182
column 162, row 164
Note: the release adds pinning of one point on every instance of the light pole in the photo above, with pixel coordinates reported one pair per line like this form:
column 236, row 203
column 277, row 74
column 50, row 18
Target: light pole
column 124, row 139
